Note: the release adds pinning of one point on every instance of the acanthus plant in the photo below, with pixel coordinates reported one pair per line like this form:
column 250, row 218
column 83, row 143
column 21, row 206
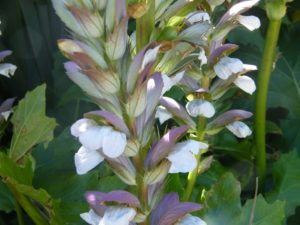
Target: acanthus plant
column 127, row 81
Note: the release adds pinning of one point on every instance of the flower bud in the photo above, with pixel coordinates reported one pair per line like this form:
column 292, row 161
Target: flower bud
column 137, row 102
column 137, row 10
column 157, row 174
column 124, row 169
column 91, row 23
column 132, row 147
column 117, row 41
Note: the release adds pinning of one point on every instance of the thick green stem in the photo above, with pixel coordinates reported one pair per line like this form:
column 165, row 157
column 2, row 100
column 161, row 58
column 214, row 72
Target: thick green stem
column 265, row 71
column 145, row 25
column 28, row 207
column 192, row 177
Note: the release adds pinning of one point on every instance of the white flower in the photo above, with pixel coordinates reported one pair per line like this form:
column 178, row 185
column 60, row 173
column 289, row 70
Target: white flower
column 202, row 57
column 195, row 17
column 200, row 107
column 239, row 129
column 190, row 220
column 182, row 157
column 94, row 138
column 81, row 126
column 90, row 217
column 228, row 66
column 162, row 114
column 250, row 22
column 86, row 160
column 169, row 82
column 113, row 215
column 7, row 69
column 118, row 215
column 246, row 84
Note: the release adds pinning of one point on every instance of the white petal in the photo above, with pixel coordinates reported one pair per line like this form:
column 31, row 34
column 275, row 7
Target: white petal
column 169, row 82
column 250, row 22
column 200, row 107
column 239, row 129
column 182, row 161
column 162, row 114
column 81, row 126
column 195, row 17
column 7, row 69
column 118, row 216
column 90, row 217
column 249, row 67
column 228, row 66
column 246, row 84
column 6, row 114
column 202, row 57
column 150, row 56
column 85, row 160
column 93, row 137
column 190, row 220
column 114, row 144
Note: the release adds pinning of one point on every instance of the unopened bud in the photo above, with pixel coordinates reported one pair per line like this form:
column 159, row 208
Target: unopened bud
column 124, row 169
column 91, row 23
column 132, row 147
column 157, row 174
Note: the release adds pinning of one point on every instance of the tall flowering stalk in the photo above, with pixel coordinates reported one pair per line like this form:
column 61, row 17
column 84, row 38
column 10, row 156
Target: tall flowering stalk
column 127, row 78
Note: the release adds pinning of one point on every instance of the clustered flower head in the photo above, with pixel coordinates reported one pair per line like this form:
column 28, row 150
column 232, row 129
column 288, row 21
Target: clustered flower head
column 129, row 87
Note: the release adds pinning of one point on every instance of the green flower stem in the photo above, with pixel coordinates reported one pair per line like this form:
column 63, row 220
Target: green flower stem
column 19, row 213
column 145, row 25
column 28, row 207
column 192, row 177
column 265, row 71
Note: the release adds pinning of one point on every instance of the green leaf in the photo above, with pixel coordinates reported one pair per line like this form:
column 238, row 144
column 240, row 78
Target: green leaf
column 286, row 173
column 31, row 126
column 9, row 168
column 264, row 213
column 223, row 206
column 222, row 202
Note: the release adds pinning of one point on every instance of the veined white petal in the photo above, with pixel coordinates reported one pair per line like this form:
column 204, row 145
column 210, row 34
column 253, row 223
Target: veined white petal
column 114, row 144
column 199, row 16
column 246, row 84
column 169, row 82
column 190, row 220
column 200, row 107
column 81, row 126
column 150, row 56
column 90, row 217
column 202, row 57
column 118, row 216
column 250, row 22
column 7, row 69
column 239, row 129
column 86, row 159
column 228, row 66
column 93, row 137
column 162, row 114
column 182, row 161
